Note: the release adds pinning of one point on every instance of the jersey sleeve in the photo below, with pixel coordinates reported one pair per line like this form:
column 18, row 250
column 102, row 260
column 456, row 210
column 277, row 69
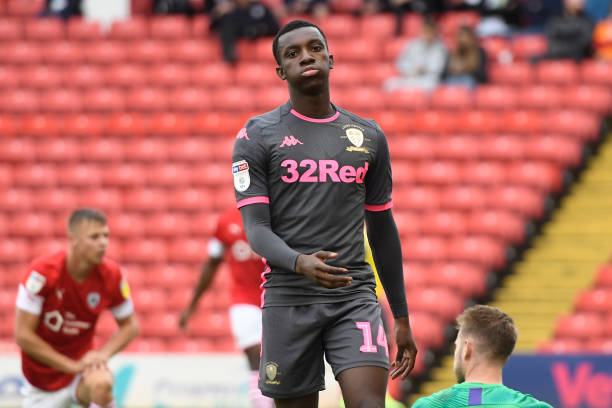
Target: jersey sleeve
column 121, row 305
column 33, row 289
column 249, row 167
column 378, row 178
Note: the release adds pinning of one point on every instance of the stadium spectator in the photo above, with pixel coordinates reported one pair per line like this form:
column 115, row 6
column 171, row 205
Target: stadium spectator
column 175, row 7
column 421, row 62
column 246, row 268
column 466, row 64
column 317, row 8
column 58, row 304
column 319, row 297
column 62, row 8
column 399, row 7
column 484, row 343
column 499, row 18
column 235, row 19
column 602, row 39
column 569, row 33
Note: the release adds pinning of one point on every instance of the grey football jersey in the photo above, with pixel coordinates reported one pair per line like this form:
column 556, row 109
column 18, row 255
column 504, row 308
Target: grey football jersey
column 318, row 177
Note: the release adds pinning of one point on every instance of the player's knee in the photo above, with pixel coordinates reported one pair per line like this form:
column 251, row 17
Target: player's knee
column 100, row 387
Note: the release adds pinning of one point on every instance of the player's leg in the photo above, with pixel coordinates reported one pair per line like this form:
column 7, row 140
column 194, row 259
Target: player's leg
column 246, row 327
column 291, row 369
column 96, row 388
column 356, row 348
column 364, row 387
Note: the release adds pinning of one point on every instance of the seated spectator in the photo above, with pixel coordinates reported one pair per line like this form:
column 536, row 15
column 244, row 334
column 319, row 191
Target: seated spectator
column 62, row 8
column 236, row 19
column 466, row 64
column 602, row 39
column 569, row 34
column 499, row 18
column 421, row 62
column 317, row 8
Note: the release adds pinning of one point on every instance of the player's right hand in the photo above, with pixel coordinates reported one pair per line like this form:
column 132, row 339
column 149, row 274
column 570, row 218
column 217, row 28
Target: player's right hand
column 185, row 316
column 313, row 266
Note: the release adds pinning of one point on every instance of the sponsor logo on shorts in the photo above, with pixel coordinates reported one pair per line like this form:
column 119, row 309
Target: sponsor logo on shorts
column 272, row 373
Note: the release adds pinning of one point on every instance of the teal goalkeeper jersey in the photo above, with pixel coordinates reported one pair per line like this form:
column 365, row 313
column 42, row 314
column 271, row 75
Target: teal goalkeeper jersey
column 479, row 395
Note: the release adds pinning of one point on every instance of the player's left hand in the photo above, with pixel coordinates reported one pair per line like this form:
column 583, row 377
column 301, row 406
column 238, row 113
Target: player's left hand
column 94, row 358
column 406, row 349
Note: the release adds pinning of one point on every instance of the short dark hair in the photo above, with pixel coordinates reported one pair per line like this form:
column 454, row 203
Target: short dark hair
column 82, row 214
column 290, row 26
column 495, row 330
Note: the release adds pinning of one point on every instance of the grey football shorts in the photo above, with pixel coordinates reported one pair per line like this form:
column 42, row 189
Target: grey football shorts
column 295, row 338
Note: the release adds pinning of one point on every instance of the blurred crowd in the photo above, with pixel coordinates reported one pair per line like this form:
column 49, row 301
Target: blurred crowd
column 574, row 29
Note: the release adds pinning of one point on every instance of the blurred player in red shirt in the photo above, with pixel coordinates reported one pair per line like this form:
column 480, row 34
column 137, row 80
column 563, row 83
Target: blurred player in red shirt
column 58, row 304
column 245, row 313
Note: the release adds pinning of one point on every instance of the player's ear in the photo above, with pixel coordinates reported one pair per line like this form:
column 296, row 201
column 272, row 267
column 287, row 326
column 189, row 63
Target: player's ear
column 281, row 73
column 468, row 349
column 331, row 61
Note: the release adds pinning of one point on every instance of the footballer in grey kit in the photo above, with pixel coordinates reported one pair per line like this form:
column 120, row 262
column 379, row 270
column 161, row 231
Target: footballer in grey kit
column 307, row 175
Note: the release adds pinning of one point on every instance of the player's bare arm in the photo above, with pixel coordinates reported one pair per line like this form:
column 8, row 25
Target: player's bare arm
column 387, row 253
column 209, row 270
column 314, row 268
column 34, row 346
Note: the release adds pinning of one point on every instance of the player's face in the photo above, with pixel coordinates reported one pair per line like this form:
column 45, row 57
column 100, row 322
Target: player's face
column 90, row 240
column 458, row 360
column 305, row 60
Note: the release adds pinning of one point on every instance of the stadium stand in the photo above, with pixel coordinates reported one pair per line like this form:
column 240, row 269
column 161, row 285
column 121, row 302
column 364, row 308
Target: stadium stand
column 149, row 143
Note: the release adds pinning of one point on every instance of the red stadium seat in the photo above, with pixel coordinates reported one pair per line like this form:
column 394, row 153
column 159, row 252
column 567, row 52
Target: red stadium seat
column 147, row 99
column 522, row 199
column 594, row 300
column 200, row 27
column 145, row 199
column 40, row 125
column 9, row 77
column 608, row 326
column 82, row 125
column 58, row 150
column 596, row 72
column 10, row 30
column 557, row 72
column 147, row 52
column 340, row 26
column 516, row 73
column 557, row 149
column 214, row 324
column 24, row 8
column 393, row 121
column 6, row 177
column 83, row 30
column 394, row 47
column 212, row 75
column 16, row 198
column 481, row 250
column 145, row 150
column 64, row 53
column 429, row 330
column 416, row 147
column 169, row 74
column 8, row 127
column 105, row 53
column 149, row 300
column 102, row 150
column 168, row 225
column 146, row 345
column 126, row 75
column 104, row 199
column 19, row 150
column 496, row 97
column 417, row 198
column 466, row 278
column 41, row 76
column 526, row 46
column 197, row 51
column 457, row 148
column 451, row 97
column 377, row 74
column 523, row 122
column 450, row 22
column 437, row 122
column 599, row 346
column 22, row 53
column 443, row 223
column 35, row 175
column 478, row 122
column 144, row 250
column 381, row 26
column 55, row 199
column 30, row 225
column 45, row 29
column 253, row 74
column 497, row 48
column 209, row 174
column 49, row 245
column 580, row 326
column 234, row 98
column 361, row 98
column 14, row 250
column 463, row 198
column 84, row 76
column 202, row 224
column 502, row 148
column 168, row 175
column 580, row 124
column 80, row 175
column 19, row 101
column 61, row 101
column 170, row 124
column 133, row 29
column 190, row 199
column 186, row 250
column 444, row 303
column 438, row 172
column 560, row 346
column 505, row 225
column 604, row 276
column 127, row 225
column 189, row 150
column 104, row 100
column 424, row 248
column 407, row 99
column 414, row 275
column 356, row 49
column 408, row 223
column 268, row 98
column 541, row 97
column 168, row 28
column 486, row 173
column 594, row 98
column 544, row 176
column 124, row 175
column 126, row 124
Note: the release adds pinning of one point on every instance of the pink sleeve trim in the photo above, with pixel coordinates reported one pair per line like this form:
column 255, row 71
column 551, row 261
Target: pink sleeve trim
column 254, row 200
column 324, row 120
column 381, row 207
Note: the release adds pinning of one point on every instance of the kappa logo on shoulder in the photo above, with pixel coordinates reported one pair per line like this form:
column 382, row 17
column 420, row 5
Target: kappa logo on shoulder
column 290, row 141
column 242, row 134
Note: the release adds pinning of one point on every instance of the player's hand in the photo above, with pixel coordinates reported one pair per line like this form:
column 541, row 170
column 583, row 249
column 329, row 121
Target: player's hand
column 75, row 367
column 406, row 349
column 314, row 268
column 185, row 316
column 94, row 358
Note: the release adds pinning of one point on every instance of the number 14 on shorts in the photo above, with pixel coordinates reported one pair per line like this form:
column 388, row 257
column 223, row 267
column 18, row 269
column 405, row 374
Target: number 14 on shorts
column 368, row 346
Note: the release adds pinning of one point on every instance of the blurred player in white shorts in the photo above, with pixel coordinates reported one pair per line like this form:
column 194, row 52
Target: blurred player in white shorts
column 246, row 268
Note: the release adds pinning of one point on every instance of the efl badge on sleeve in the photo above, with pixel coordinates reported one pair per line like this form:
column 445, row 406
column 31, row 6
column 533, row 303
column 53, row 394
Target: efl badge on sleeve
column 36, row 281
column 125, row 289
column 93, row 299
column 242, row 180
column 355, row 136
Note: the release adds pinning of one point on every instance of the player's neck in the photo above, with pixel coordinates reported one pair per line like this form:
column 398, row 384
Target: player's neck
column 484, row 373
column 79, row 269
column 312, row 106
